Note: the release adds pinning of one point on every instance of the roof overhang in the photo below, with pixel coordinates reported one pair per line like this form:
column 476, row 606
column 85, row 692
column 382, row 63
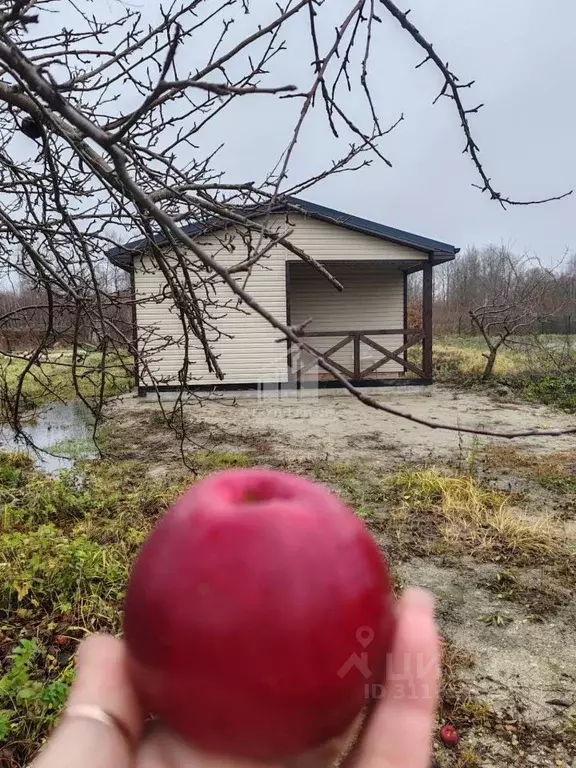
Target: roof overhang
column 438, row 252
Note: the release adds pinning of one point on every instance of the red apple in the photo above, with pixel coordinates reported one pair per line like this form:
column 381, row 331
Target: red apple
column 449, row 735
column 258, row 615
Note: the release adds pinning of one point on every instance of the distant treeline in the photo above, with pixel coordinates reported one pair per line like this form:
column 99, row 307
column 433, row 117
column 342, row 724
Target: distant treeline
column 494, row 277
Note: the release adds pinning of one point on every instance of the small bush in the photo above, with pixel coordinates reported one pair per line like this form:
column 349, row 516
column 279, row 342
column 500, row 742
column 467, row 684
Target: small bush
column 29, row 704
column 557, row 390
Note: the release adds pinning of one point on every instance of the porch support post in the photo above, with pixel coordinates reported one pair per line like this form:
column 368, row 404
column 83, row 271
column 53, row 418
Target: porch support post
column 356, row 341
column 405, row 294
column 427, row 289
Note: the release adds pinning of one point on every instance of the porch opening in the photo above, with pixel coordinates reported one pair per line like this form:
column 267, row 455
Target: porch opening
column 362, row 331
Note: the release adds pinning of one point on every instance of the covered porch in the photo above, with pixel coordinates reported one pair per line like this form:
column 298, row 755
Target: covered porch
column 363, row 331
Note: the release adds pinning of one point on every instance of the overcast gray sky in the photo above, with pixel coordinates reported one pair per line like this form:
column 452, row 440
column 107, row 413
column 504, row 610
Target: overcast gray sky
column 522, row 54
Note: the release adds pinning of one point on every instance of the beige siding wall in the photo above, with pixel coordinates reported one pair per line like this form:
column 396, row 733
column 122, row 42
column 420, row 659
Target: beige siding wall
column 327, row 242
column 244, row 342
column 372, row 299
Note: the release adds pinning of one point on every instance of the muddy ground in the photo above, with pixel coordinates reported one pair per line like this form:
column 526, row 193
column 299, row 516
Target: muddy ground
column 337, row 426
column 510, row 624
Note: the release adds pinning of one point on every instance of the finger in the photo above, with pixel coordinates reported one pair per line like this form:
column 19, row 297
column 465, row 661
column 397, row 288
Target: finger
column 161, row 747
column 102, row 719
column 332, row 752
column 400, row 731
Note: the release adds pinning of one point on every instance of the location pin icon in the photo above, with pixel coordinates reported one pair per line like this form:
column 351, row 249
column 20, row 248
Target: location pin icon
column 365, row 635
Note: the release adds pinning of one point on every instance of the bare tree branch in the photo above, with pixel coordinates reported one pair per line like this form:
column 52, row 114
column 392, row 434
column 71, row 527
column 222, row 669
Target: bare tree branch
column 451, row 88
column 119, row 116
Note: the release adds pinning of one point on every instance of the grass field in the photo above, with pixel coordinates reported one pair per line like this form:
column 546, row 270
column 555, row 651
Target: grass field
column 67, row 543
column 53, row 379
column 543, row 372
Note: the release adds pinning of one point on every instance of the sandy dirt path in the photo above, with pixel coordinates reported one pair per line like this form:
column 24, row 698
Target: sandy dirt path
column 336, row 426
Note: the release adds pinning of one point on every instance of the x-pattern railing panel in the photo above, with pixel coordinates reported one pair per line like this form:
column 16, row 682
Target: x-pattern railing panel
column 412, row 336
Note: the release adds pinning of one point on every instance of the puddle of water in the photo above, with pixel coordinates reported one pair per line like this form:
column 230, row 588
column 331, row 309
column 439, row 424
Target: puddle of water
column 64, row 429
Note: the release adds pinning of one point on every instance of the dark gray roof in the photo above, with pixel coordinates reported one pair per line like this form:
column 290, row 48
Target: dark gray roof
column 122, row 255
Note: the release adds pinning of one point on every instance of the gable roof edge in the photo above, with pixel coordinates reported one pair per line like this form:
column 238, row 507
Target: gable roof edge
column 123, row 255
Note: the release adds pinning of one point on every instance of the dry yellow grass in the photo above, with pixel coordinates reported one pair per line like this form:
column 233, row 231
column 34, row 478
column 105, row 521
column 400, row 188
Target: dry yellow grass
column 480, row 519
column 538, row 464
column 467, row 355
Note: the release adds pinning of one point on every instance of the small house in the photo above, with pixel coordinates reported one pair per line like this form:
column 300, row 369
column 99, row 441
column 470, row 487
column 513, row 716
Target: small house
column 362, row 330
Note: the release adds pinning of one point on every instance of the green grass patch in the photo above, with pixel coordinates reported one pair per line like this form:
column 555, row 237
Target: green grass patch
column 74, row 448
column 53, row 380
column 33, row 690
column 558, row 390
column 66, row 547
column 209, row 461
column 540, row 373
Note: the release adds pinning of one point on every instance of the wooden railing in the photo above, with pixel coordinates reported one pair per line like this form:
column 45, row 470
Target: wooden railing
column 412, row 336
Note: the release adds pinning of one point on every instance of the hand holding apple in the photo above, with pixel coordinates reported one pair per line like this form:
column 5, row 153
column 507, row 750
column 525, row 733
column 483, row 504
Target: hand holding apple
column 258, row 615
column 109, row 729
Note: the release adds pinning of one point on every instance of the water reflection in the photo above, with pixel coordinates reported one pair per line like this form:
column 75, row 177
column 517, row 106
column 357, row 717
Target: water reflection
column 64, row 429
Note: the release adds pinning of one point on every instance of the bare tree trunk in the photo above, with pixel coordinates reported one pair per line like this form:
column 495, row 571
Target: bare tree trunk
column 490, row 360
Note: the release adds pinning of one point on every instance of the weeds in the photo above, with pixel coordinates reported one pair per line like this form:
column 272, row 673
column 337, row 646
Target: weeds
column 423, row 489
column 559, row 483
column 356, row 485
column 558, row 390
column 29, row 705
column 554, row 471
column 505, row 584
column 47, row 571
column 16, row 460
column 75, row 448
column 539, row 596
column 210, row 461
column 496, row 619
column 460, row 359
column 538, row 372
column 468, row 757
column 479, row 519
column 66, row 546
column 456, row 706
column 554, row 463
column 569, row 725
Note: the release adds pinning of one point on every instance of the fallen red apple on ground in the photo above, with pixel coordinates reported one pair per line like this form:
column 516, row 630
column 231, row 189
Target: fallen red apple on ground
column 258, row 615
column 449, row 735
